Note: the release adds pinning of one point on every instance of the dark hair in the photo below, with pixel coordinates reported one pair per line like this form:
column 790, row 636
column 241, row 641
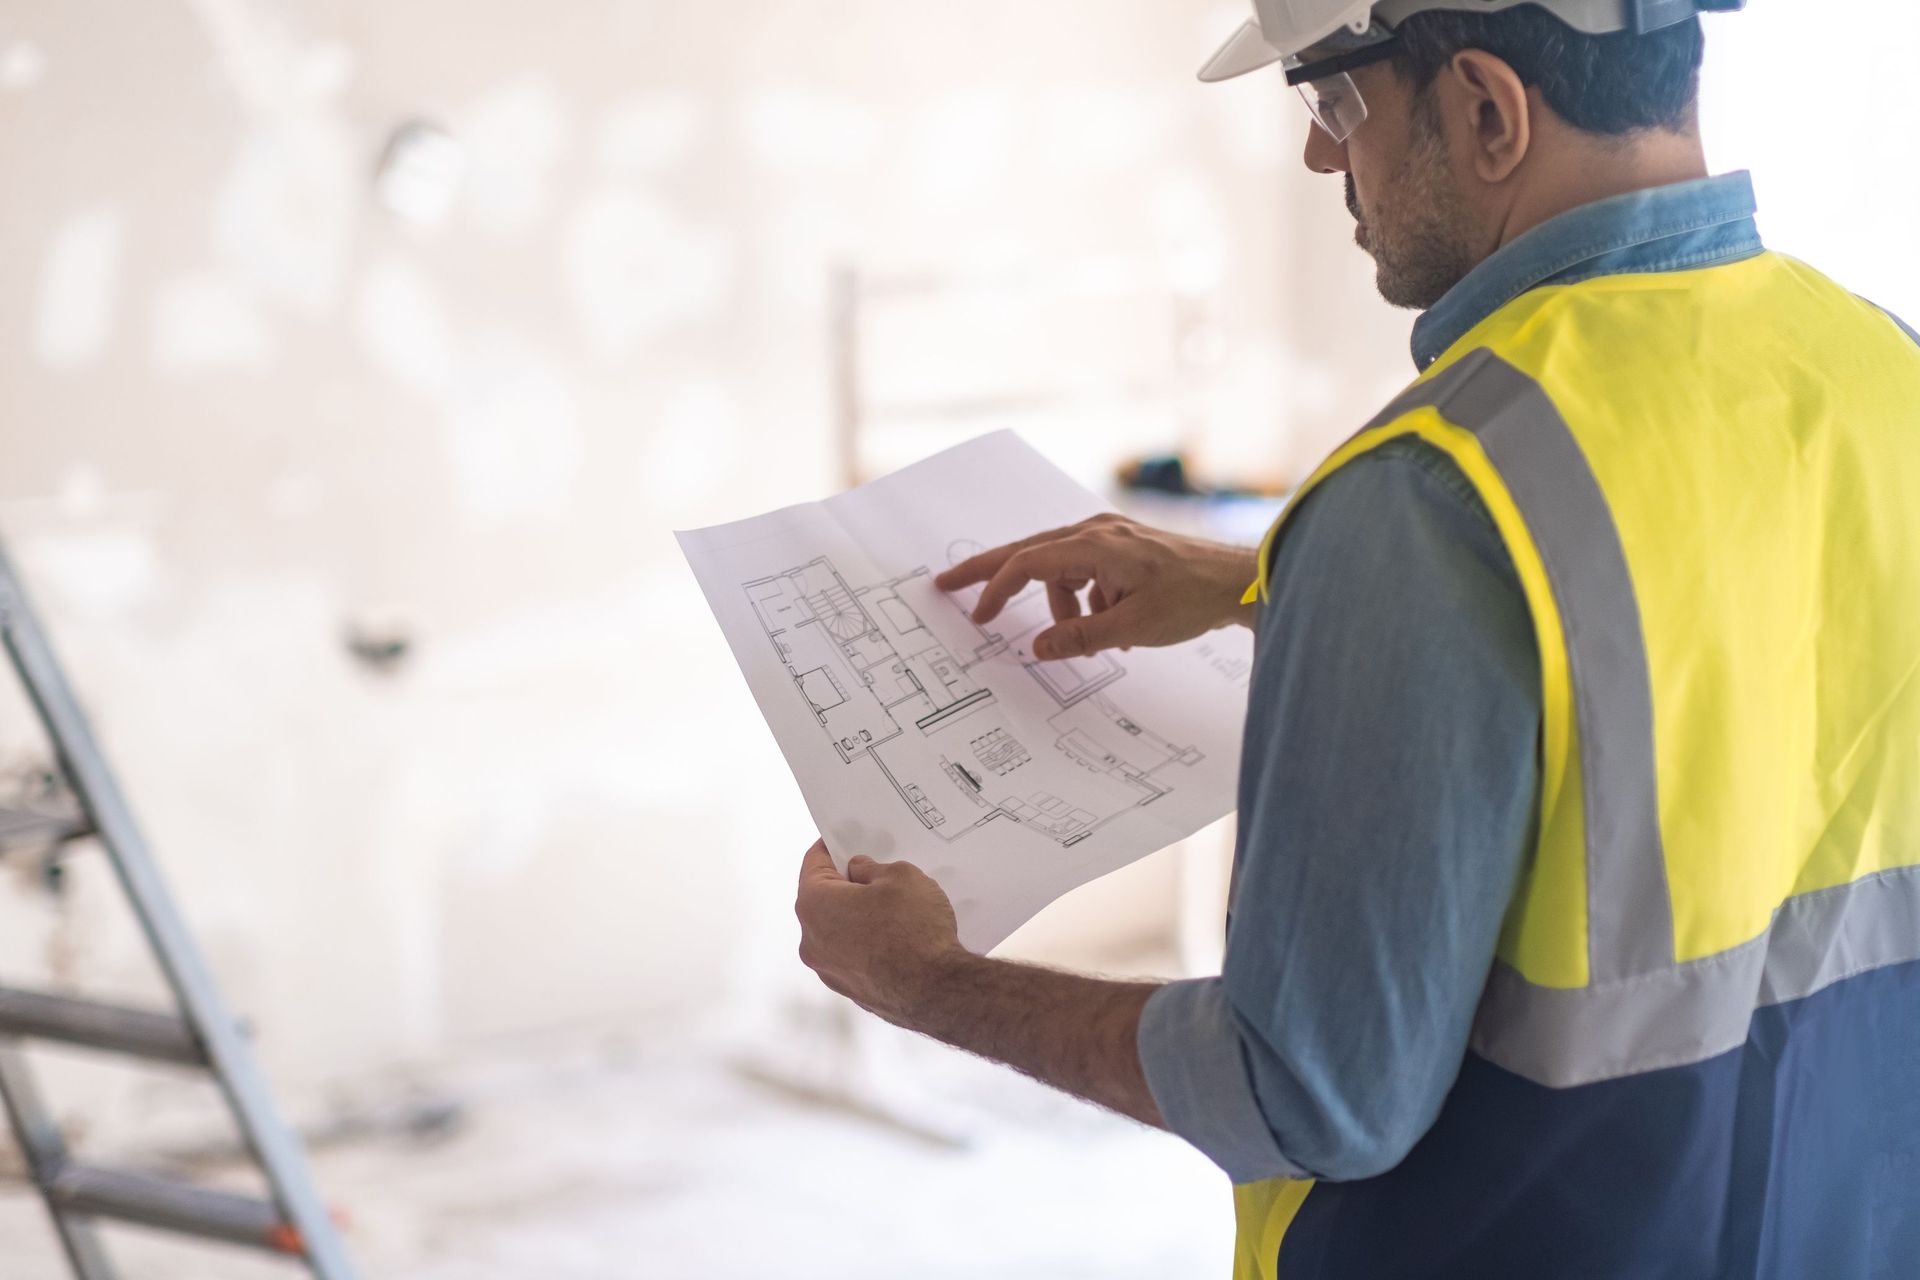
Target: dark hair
column 1613, row 85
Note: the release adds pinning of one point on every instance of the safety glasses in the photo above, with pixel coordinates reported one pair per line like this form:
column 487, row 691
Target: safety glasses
column 1332, row 97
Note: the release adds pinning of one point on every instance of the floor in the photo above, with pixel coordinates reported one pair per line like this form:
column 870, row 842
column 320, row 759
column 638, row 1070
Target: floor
column 613, row 1158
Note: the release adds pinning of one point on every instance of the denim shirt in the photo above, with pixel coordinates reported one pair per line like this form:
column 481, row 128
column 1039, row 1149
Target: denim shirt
column 1390, row 783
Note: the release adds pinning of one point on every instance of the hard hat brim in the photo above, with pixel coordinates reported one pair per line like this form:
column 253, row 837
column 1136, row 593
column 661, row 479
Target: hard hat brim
column 1248, row 50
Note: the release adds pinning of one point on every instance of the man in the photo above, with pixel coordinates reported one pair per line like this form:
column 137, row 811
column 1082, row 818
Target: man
column 1576, row 919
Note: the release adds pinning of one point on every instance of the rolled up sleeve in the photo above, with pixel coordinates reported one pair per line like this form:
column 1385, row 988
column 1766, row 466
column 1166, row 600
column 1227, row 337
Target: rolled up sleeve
column 1197, row 1070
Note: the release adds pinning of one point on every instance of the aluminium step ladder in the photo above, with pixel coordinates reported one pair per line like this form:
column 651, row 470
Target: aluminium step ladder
column 202, row 1033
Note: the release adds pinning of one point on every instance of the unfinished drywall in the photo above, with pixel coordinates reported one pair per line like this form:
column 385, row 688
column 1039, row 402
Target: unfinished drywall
column 251, row 412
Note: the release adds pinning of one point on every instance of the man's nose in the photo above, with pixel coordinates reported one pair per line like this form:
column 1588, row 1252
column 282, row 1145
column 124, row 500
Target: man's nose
column 1324, row 155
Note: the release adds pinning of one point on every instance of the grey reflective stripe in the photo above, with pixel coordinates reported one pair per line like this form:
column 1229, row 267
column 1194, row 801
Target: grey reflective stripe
column 1704, row 1008
column 1629, row 915
column 1641, row 1011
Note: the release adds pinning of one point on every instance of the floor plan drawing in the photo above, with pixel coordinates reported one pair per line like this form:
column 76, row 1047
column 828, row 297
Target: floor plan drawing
column 915, row 735
column 901, row 679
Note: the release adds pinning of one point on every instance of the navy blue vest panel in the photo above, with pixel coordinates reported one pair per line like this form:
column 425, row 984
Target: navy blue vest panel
column 1794, row 1157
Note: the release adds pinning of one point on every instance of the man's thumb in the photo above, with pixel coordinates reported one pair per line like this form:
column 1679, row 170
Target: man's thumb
column 861, row 869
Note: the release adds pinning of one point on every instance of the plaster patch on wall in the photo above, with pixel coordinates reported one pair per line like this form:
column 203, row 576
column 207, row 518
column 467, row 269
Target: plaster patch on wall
column 513, row 433
column 103, row 573
column 644, row 135
column 419, row 174
column 634, row 269
column 74, row 309
column 799, row 130
column 269, row 67
column 402, row 326
column 22, row 65
column 285, row 213
column 203, row 322
column 515, row 135
column 325, row 71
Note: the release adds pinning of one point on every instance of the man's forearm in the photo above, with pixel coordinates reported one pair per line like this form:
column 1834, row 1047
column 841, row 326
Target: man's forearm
column 1075, row 1033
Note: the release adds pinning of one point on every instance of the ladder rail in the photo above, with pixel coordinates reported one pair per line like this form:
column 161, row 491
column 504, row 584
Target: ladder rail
column 46, row 1155
column 274, row 1146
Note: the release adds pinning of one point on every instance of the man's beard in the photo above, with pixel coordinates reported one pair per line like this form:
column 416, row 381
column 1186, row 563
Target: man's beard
column 1419, row 241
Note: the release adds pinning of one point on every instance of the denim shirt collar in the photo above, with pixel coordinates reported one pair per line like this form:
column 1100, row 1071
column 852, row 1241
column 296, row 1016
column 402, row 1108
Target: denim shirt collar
column 1690, row 224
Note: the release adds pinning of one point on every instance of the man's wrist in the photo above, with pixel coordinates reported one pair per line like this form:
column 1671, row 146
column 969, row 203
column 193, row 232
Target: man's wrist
column 1076, row 1033
column 1239, row 568
column 933, row 987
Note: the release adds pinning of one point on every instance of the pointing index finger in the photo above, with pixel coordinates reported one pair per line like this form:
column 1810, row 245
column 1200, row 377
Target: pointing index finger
column 1048, row 563
column 977, row 569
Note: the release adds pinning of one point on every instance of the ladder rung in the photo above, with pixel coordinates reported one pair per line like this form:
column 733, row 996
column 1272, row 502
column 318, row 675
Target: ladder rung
column 139, row 1033
column 152, row 1201
column 27, row 828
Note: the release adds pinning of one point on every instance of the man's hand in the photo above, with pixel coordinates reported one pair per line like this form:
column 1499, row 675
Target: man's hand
column 877, row 935
column 883, row 935
column 1144, row 587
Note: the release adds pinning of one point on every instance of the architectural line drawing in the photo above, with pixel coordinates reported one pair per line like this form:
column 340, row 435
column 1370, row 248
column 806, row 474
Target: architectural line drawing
column 915, row 734
column 916, row 691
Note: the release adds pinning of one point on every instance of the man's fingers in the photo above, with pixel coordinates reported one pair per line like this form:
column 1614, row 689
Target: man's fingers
column 983, row 566
column 1065, row 560
column 978, row 569
column 1065, row 601
column 1117, row 628
column 870, row 871
column 865, row 870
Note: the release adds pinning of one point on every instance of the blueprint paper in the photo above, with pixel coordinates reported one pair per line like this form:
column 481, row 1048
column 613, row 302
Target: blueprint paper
column 915, row 734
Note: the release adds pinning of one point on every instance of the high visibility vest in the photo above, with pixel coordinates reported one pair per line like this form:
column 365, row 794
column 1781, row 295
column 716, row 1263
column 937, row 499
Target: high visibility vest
column 1698, row 1052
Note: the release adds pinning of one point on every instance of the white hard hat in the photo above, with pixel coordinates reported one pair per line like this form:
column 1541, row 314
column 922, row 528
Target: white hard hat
column 1283, row 28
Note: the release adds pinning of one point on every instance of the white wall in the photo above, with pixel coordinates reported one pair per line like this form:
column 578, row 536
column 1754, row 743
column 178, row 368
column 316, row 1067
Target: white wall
column 242, row 409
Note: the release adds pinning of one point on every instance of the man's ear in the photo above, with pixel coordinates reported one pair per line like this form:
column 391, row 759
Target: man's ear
column 1490, row 98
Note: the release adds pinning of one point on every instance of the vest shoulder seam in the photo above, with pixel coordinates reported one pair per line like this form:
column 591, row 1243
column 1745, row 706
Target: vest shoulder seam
column 1432, row 462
